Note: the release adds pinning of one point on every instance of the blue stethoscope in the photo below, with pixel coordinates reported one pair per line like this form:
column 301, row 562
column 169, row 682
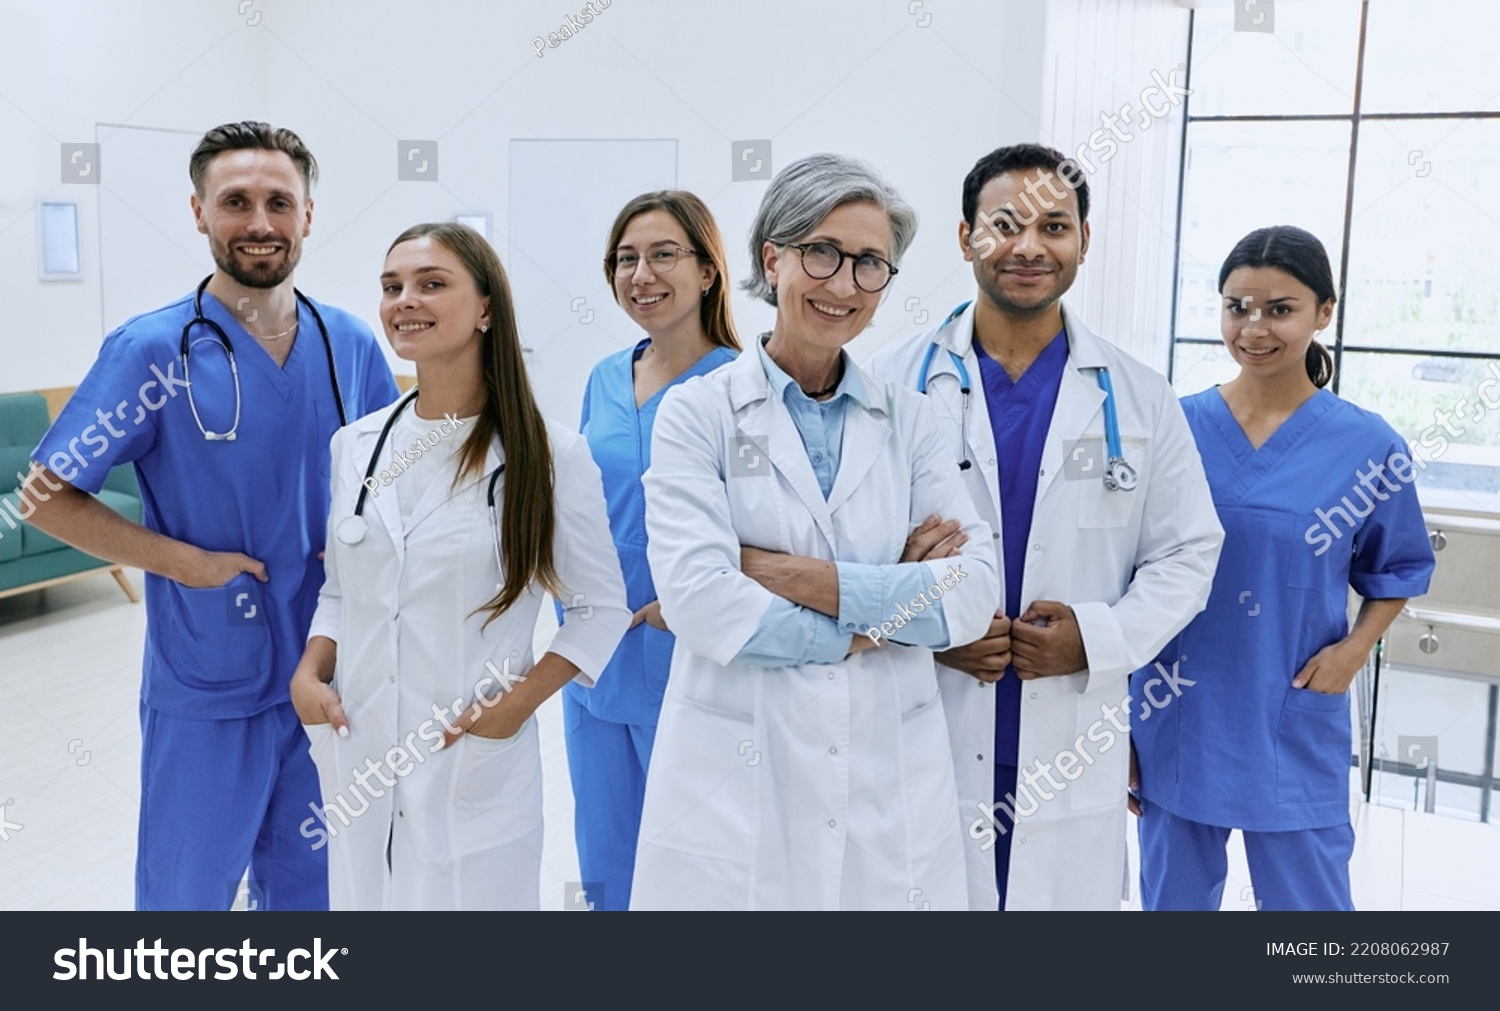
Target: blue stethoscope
column 234, row 370
column 1119, row 475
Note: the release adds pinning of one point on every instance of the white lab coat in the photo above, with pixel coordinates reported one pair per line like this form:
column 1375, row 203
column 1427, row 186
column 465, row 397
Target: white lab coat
column 1134, row 566
column 464, row 824
column 824, row 786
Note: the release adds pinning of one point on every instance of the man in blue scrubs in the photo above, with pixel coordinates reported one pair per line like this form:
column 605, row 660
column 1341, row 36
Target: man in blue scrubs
column 234, row 471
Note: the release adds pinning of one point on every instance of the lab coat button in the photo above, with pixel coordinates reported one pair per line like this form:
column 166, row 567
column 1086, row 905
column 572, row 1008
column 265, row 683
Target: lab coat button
column 1036, row 547
column 833, row 751
column 831, row 675
column 994, row 536
column 832, row 823
column 980, row 757
column 1033, row 694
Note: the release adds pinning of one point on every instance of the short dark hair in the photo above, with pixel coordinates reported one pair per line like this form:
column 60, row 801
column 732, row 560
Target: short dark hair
column 250, row 134
column 1018, row 157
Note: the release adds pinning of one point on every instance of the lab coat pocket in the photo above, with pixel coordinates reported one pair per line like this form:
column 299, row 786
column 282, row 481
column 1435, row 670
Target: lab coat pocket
column 225, row 633
column 1095, row 763
column 1102, row 509
column 928, row 790
column 1313, row 748
column 320, row 737
column 322, row 745
column 496, row 790
column 701, row 796
column 656, row 659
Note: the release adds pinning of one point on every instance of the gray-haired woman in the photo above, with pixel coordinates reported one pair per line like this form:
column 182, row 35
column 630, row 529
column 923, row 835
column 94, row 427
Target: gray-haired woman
column 801, row 756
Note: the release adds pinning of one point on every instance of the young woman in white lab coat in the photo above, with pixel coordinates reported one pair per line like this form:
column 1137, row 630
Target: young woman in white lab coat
column 797, row 764
column 454, row 511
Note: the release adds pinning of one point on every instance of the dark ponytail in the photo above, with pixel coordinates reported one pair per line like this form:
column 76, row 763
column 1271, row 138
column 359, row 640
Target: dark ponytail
column 1300, row 254
column 1319, row 364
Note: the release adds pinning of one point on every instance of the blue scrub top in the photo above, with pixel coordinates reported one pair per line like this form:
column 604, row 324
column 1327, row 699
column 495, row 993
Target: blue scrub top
column 226, row 652
column 1020, row 414
column 1240, row 747
column 619, row 435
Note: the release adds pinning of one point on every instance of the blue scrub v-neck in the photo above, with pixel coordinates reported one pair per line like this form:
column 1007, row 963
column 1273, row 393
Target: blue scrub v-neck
column 619, row 436
column 1020, row 413
column 1240, row 747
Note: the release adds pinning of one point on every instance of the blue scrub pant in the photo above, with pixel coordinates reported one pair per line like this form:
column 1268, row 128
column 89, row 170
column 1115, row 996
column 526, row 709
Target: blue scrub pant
column 220, row 796
column 1005, row 783
column 607, row 762
column 1184, row 866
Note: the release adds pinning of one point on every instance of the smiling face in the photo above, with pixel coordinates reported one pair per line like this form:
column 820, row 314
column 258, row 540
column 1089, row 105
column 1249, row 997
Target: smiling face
column 660, row 300
column 1268, row 320
column 255, row 210
column 833, row 311
column 430, row 306
column 1027, row 242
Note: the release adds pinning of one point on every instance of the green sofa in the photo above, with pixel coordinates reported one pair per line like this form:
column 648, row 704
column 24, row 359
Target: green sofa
column 30, row 559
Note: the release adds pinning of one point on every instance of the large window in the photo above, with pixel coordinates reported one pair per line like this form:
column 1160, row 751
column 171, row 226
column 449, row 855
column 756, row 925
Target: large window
column 1376, row 126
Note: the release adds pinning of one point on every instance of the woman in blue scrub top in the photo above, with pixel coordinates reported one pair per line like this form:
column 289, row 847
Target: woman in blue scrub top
column 668, row 270
column 1315, row 496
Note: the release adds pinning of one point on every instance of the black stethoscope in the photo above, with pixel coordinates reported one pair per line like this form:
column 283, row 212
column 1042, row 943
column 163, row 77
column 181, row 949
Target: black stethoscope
column 223, row 340
column 352, row 529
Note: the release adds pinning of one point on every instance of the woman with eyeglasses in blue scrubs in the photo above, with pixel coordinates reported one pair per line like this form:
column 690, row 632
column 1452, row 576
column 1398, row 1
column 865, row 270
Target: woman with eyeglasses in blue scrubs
column 1315, row 496
column 667, row 269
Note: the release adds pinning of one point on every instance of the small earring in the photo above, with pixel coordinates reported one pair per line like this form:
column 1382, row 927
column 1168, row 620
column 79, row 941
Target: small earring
column 484, row 328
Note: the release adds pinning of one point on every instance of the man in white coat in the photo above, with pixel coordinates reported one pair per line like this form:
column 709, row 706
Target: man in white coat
column 1098, row 575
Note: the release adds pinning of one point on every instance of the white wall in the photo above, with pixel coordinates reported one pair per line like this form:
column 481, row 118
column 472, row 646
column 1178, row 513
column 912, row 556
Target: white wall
column 1100, row 55
column 860, row 78
column 920, row 102
column 67, row 66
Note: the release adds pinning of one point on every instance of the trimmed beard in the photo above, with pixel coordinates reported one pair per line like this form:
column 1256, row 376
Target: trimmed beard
column 260, row 278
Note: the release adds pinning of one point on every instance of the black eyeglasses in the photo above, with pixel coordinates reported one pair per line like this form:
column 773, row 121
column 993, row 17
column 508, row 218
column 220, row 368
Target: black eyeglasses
column 661, row 259
column 822, row 260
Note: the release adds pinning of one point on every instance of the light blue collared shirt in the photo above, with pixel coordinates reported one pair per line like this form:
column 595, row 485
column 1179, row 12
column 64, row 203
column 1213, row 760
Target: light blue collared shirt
column 868, row 594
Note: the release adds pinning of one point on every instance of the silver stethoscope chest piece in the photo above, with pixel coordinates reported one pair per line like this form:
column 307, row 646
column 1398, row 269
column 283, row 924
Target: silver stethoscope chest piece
column 1120, row 476
column 351, row 529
